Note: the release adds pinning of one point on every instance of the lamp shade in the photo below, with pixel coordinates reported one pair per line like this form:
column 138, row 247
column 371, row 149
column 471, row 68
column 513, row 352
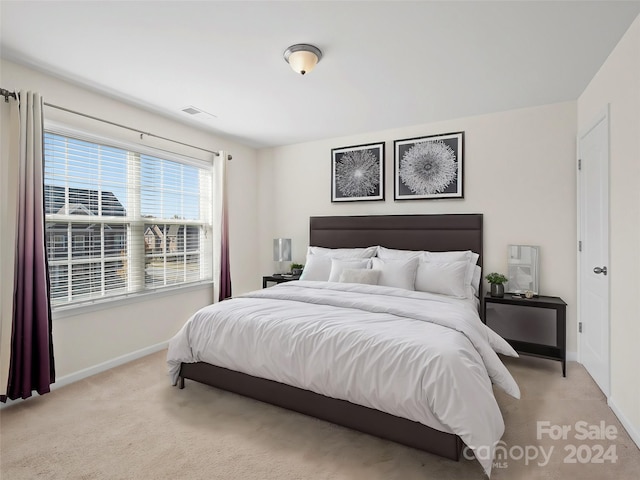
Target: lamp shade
column 281, row 249
column 302, row 57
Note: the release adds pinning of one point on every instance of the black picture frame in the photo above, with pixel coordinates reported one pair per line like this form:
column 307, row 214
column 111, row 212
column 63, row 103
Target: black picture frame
column 429, row 167
column 357, row 173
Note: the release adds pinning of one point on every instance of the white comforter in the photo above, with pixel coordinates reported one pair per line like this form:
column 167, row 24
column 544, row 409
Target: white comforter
column 414, row 355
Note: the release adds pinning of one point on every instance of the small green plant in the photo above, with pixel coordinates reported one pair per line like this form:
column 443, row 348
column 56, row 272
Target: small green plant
column 496, row 278
column 296, row 268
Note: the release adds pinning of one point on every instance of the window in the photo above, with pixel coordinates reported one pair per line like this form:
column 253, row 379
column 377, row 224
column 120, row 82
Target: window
column 120, row 221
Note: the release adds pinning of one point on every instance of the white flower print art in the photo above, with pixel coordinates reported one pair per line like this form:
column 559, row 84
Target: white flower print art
column 429, row 167
column 357, row 173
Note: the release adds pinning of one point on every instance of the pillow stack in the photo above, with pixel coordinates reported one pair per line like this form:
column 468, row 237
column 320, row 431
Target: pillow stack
column 319, row 265
column 446, row 273
column 455, row 274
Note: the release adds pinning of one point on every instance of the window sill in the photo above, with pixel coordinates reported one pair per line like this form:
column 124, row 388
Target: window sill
column 64, row 311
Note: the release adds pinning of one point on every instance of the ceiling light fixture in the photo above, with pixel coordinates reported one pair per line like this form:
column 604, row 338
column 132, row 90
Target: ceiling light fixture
column 302, row 57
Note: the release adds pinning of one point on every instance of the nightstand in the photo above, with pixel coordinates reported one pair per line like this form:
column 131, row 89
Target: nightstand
column 535, row 326
column 278, row 279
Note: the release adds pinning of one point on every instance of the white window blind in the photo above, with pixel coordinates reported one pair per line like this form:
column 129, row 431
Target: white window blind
column 120, row 222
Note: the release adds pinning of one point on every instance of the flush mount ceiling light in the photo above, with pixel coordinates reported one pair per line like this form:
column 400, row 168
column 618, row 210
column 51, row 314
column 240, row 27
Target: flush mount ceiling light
column 302, row 57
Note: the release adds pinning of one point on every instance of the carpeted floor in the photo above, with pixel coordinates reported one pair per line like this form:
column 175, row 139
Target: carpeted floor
column 129, row 423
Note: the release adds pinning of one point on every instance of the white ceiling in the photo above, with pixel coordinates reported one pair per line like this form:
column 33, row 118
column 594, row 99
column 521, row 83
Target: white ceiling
column 386, row 64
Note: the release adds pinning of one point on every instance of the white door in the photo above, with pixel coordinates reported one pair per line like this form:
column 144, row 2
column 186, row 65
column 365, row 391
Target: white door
column 593, row 264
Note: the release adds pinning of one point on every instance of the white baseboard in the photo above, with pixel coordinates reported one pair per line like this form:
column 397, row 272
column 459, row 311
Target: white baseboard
column 633, row 432
column 572, row 356
column 101, row 367
column 108, row 365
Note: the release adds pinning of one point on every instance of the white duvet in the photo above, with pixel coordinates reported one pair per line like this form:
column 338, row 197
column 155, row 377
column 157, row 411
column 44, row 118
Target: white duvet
column 415, row 355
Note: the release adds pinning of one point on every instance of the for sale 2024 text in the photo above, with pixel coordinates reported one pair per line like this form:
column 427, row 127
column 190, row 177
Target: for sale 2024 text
column 582, row 431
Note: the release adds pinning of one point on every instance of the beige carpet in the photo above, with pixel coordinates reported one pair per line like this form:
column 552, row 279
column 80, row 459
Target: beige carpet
column 129, row 423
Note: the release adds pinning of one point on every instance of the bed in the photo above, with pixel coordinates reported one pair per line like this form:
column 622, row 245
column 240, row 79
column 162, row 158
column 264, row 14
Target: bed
column 398, row 420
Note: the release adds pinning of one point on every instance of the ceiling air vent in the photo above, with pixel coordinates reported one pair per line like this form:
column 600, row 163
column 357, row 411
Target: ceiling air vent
column 198, row 112
column 190, row 110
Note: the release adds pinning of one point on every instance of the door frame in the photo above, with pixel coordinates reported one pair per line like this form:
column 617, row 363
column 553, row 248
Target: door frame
column 602, row 115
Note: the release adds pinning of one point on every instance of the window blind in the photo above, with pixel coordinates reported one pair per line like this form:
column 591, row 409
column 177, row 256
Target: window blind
column 121, row 222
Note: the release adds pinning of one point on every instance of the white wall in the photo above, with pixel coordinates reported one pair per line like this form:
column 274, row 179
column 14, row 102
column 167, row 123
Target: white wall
column 89, row 339
column 618, row 84
column 519, row 172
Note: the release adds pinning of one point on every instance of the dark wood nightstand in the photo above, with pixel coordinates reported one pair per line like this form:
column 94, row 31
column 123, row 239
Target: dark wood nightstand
column 278, row 279
column 535, row 326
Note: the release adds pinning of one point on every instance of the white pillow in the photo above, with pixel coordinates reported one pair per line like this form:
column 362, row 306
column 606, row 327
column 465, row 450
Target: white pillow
column 499, row 344
column 475, row 280
column 343, row 252
column 456, row 256
column 317, row 267
column 360, row 275
column 443, row 278
column 452, row 256
column 391, row 254
column 399, row 273
column 338, row 265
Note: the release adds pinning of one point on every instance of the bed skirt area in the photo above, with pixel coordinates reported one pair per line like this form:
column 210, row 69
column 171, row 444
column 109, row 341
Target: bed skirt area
column 340, row 412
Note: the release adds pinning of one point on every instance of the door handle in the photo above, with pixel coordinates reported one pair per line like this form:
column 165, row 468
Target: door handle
column 602, row 270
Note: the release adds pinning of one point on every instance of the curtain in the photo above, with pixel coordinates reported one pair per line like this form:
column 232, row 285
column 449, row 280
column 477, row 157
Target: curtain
column 222, row 269
column 31, row 366
column 8, row 215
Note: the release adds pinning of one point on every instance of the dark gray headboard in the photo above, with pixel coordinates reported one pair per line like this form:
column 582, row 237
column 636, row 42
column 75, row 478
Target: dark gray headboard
column 436, row 233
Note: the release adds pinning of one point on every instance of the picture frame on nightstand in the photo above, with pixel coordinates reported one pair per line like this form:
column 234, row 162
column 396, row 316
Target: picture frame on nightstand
column 523, row 267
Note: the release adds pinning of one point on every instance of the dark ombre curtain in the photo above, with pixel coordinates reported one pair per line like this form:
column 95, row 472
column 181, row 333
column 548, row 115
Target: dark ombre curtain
column 223, row 286
column 225, row 269
column 31, row 366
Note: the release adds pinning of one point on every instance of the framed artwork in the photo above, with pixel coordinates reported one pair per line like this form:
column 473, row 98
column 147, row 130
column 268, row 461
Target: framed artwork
column 357, row 173
column 429, row 167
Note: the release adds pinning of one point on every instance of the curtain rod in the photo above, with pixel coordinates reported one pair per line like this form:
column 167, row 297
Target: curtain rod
column 6, row 94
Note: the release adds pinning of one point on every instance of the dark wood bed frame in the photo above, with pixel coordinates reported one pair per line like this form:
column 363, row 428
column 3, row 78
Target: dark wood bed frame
column 406, row 232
